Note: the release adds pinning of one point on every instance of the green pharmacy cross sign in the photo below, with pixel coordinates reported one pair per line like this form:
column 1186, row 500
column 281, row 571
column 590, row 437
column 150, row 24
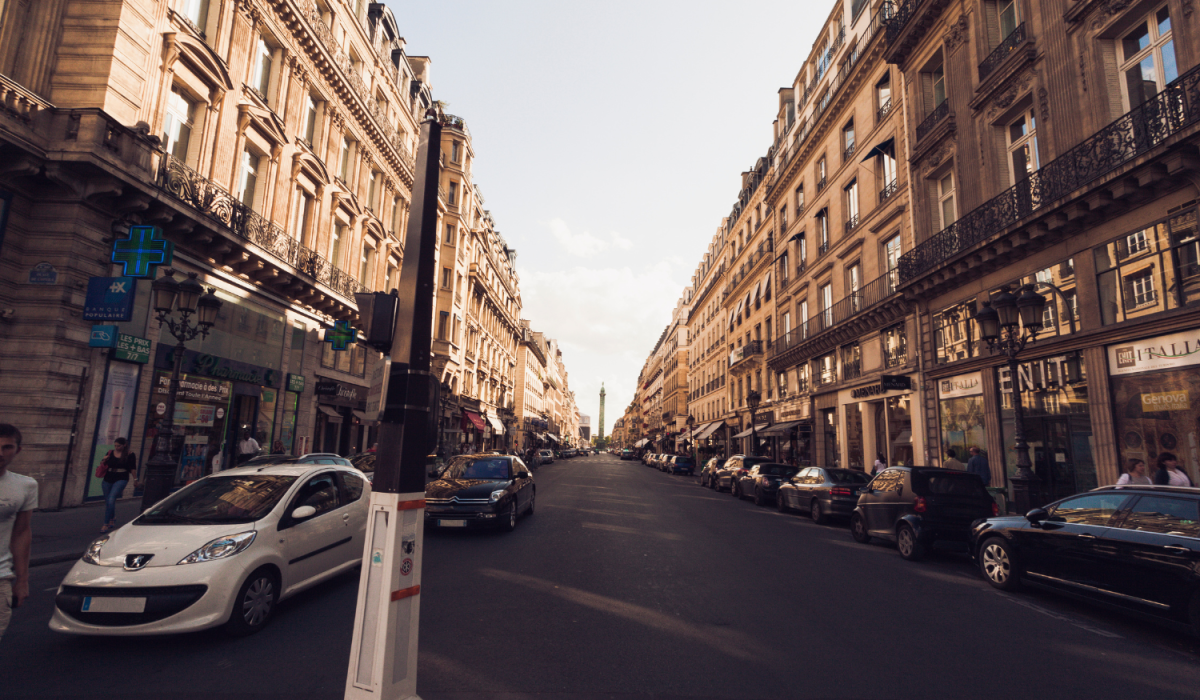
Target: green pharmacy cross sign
column 143, row 251
column 341, row 335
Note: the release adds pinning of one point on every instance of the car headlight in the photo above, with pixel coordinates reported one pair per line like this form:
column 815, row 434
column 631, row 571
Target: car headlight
column 221, row 548
column 92, row 555
column 496, row 495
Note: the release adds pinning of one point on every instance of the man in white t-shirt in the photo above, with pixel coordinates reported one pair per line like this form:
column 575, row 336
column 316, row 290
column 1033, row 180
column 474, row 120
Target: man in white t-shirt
column 247, row 448
column 18, row 498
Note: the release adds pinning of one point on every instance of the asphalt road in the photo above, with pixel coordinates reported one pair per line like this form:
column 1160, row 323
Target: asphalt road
column 631, row 584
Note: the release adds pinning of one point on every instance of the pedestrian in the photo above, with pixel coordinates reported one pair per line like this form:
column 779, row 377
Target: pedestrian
column 1169, row 473
column 277, row 448
column 978, row 464
column 1135, row 473
column 952, row 460
column 880, row 464
column 247, row 448
column 18, row 498
column 120, row 465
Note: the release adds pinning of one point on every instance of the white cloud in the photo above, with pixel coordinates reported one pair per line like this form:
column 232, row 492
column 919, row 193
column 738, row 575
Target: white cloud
column 621, row 242
column 585, row 245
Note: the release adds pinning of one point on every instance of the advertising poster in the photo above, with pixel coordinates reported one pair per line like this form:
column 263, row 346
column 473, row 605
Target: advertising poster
column 115, row 419
column 201, row 409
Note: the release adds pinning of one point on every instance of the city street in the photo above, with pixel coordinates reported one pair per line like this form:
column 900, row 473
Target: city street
column 630, row 583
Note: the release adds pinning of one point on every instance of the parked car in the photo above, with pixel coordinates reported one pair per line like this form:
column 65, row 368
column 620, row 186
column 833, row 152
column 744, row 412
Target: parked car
column 480, row 490
column 545, row 456
column 683, row 464
column 762, row 481
column 187, row 563
column 822, row 492
column 627, row 453
column 735, row 466
column 309, row 458
column 1132, row 547
column 708, row 475
column 918, row 506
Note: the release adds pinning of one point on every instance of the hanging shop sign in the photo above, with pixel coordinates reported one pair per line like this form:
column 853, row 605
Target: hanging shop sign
column 1163, row 352
column 43, row 273
column 142, row 252
column 110, row 299
column 131, row 348
column 337, row 393
column 218, row 367
column 970, row 384
column 295, row 382
column 341, row 336
column 103, row 337
column 886, row 383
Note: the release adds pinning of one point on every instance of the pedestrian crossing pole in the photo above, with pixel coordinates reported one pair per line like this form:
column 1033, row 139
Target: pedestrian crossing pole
column 383, row 652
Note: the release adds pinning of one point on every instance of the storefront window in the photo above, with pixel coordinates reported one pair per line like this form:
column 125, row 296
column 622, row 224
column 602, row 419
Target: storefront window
column 202, row 408
column 358, row 361
column 830, row 429
column 899, row 418
column 1057, row 318
column 244, row 333
column 287, row 431
column 961, row 409
column 851, row 361
column 1150, row 270
column 265, row 432
column 854, row 436
column 336, row 359
column 895, row 346
column 955, row 333
column 825, row 369
column 1057, row 425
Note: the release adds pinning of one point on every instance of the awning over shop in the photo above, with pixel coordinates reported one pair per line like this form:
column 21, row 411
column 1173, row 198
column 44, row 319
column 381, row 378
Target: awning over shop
column 472, row 419
column 363, row 417
column 779, row 428
column 707, row 431
column 880, row 149
column 641, row 443
column 747, row 432
column 552, row 438
column 904, row 438
column 497, row 425
column 334, row 416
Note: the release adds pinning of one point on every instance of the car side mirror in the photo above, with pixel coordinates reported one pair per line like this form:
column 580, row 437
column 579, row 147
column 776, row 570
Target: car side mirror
column 303, row 512
column 1037, row 515
column 522, row 475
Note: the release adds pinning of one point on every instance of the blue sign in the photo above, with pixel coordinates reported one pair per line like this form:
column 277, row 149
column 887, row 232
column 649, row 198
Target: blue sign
column 103, row 337
column 43, row 273
column 110, row 299
column 143, row 251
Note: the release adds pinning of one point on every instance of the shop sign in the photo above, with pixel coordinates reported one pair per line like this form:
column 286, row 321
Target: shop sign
column 335, row 392
column 1165, row 401
column 886, row 383
column 219, row 367
column 1164, row 352
column 132, row 349
column 142, row 252
column 43, row 273
column 193, row 388
column 970, row 384
column 1046, row 373
column 295, row 382
column 103, row 337
column 110, row 299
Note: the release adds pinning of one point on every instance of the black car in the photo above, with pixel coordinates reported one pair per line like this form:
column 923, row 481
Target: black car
column 918, row 506
column 822, row 492
column 627, row 454
column 1132, row 547
column 762, row 481
column 682, row 465
column 734, row 467
column 708, row 475
column 481, row 490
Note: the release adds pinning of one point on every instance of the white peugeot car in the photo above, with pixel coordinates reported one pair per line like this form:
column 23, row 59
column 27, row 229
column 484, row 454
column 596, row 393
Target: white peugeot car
column 221, row 551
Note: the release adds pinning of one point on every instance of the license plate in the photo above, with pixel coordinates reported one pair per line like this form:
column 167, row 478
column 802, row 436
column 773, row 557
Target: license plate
column 113, row 605
column 452, row 523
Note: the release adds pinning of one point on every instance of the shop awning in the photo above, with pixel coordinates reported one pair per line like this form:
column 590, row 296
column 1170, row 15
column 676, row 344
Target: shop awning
column 472, row 419
column 641, row 443
column 757, row 291
column 904, row 438
column 780, row 428
column 747, row 432
column 709, row 429
column 552, row 438
column 497, row 425
column 363, row 417
column 334, row 416
column 880, row 149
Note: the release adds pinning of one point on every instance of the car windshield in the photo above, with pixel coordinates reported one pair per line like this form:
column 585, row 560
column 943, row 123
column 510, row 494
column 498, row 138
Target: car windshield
column 777, row 470
column 847, row 477
column 949, row 484
column 222, row 499
column 751, row 461
column 474, row 468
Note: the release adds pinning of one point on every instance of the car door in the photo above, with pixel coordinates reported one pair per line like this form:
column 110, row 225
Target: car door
column 818, row 485
column 1155, row 554
column 356, row 506
column 318, row 543
column 794, row 493
column 1063, row 548
column 879, row 501
column 524, row 482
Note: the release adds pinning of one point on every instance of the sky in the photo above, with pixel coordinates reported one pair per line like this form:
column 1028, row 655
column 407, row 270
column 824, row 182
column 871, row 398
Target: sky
column 610, row 137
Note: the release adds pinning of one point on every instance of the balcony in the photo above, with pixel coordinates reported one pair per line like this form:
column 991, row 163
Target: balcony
column 821, row 184
column 1130, row 136
column 851, row 223
column 1006, row 47
column 884, row 110
column 823, row 248
column 747, row 351
column 848, row 154
column 886, row 193
column 871, row 294
column 935, row 117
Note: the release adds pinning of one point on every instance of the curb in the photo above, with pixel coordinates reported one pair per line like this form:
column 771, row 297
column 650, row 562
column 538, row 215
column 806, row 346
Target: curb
column 54, row 558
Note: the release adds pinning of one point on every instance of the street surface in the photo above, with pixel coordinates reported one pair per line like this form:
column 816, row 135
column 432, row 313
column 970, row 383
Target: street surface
column 630, row 583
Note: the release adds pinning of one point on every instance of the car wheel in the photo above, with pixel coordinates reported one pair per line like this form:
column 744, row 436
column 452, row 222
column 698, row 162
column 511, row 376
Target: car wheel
column 510, row 519
column 815, row 512
column 906, row 541
column 712, row 483
column 781, row 502
column 532, row 497
column 997, row 565
column 858, row 529
column 734, row 490
column 758, row 498
column 255, row 603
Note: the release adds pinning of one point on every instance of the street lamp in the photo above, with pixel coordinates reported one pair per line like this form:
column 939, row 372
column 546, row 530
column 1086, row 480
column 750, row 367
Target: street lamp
column 188, row 297
column 753, row 398
column 691, row 425
column 446, row 396
column 1007, row 323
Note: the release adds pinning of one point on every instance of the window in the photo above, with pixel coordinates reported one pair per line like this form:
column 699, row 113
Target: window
column 177, row 126
column 335, row 245
column 826, row 301
column 344, row 159
column 781, row 383
column 787, row 326
column 954, row 333
column 848, row 140
column 366, row 264
column 883, row 97
column 891, row 258
column 821, row 174
column 1092, row 509
column 310, row 119
column 447, row 277
column 804, row 318
column 801, row 252
column 784, row 269
column 825, row 369
column 1148, row 58
column 1008, row 18
column 455, row 147
column 851, row 361
column 1162, row 514
column 449, row 234
column 247, row 177
column 196, row 12
column 853, row 285
column 260, row 79
column 393, row 274
column 443, row 325
column 320, row 492
column 373, row 190
column 851, row 191
column 453, row 196
column 1022, row 145
column 946, row 212
column 823, row 231
column 783, row 218
column 937, row 79
column 799, row 200
column 396, row 204
column 302, row 215
column 895, row 346
column 1151, row 270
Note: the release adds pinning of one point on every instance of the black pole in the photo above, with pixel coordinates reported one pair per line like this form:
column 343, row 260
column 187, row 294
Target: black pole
column 404, row 444
column 62, row 489
column 160, row 470
column 1023, row 480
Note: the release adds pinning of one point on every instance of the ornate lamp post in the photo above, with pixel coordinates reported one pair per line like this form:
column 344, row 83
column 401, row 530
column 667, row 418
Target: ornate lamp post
column 190, row 298
column 446, row 389
column 506, row 417
column 753, row 398
column 1007, row 323
column 691, row 425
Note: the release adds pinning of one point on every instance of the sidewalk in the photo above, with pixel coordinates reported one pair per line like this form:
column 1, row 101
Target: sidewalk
column 64, row 535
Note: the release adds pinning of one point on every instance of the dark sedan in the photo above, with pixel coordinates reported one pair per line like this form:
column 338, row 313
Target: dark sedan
column 733, row 468
column 480, row 490
column 822, row 492
column 762, row 481
column 1136, row 548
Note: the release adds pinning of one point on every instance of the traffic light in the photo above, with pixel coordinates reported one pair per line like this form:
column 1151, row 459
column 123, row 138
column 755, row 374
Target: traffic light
column 377, row 316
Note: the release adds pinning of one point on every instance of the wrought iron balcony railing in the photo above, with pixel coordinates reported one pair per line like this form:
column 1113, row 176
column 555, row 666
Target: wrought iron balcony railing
column 823, row 248
column 884, row 110
column 871, row 294
column 996, row 57
column 213, row 201
column 750, row 349
column 848, row 153
column 1133, row 134
column 900, row 16
column 852, row 223
column 935, row 117
column 887, row 191
column 821, row 184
